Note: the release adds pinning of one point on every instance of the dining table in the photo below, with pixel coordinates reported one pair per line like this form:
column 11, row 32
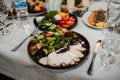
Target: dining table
column 20, row 66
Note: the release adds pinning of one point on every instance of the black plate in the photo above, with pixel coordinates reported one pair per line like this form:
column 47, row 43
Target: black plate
column 40, row 28
column 82, row 60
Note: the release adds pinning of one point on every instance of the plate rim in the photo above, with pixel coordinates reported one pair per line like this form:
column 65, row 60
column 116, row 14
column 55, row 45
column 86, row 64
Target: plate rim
column 29, row 15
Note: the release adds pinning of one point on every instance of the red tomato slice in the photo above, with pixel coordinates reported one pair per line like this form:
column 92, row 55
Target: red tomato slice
column 61, row 22
column 69, row 31
column 65, row 26
column 70, row 23
column 58, row 26
column 32, row 47
column 48, row 35
column 72, row 19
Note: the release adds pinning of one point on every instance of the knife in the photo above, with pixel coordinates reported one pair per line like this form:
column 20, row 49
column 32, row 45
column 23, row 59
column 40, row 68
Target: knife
column 90, row 69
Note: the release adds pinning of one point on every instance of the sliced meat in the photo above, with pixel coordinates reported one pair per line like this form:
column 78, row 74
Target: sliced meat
column 64, row 58
column 76, row 53
column 43, row 61
column 78, row 46
column 74, row 57
column 82, row 49
column 53, row 59
column 67, row 59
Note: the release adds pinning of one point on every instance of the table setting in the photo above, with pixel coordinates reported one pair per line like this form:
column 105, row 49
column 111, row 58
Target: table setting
column 48, row 40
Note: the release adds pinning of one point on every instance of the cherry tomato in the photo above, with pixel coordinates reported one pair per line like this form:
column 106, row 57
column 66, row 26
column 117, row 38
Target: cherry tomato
column 70, row 23
column 58, row 26
column 65, row 26
column 61, row 22
column 72, row 19
column 69, row 31
column 32, row 47
column 48, row 35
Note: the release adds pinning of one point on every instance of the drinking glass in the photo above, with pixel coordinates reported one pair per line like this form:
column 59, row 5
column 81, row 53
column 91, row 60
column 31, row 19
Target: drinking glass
column 113, row 19
column 116, row 38
column 23, row 17
column 108, row 45
column 3, row 16
column 53, row 5
column 106, row 51
column 106, row 55
column 114, row 12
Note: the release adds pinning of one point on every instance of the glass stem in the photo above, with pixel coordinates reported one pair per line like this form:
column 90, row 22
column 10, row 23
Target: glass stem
column 4, row 29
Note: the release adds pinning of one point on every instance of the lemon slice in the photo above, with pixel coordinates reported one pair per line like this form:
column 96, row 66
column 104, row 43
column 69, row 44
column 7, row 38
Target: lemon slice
column 101, row 24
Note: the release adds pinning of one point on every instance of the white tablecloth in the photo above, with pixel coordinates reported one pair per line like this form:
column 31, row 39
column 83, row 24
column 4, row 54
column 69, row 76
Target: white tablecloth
column 19, row 66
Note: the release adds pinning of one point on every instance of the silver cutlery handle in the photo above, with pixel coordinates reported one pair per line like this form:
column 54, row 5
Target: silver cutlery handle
column 97, row 46
column 19, row 45
column 90, row 69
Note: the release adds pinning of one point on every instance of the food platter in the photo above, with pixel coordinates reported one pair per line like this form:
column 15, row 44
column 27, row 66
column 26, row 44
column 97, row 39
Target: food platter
column 63, row 23
column 36, row 7
column 40, row 58
column 33, row 8
column 85, row 20
column 97, row 25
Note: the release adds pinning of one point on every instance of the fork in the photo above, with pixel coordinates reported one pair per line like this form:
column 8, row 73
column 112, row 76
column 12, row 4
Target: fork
column 35, row 31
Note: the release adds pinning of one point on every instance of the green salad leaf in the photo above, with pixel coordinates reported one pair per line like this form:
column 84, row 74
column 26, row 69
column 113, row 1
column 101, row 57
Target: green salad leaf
column 48, row 20
column 53, row 42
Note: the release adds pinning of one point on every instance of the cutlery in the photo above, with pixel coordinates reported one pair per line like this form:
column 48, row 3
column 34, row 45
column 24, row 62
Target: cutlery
column 97, row 45
column 6, row 26
column 19, row 45
column 9, row 24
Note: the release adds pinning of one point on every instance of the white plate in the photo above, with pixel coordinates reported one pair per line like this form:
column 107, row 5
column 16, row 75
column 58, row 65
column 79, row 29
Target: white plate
column 85, row 20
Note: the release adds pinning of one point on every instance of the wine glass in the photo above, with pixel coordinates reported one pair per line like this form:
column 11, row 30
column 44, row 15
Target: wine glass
column 23, row 20
column 111, row 34
column 113, row 31
column 53, row 5
column 107, row 50
column 3, row 16
column 107, row 56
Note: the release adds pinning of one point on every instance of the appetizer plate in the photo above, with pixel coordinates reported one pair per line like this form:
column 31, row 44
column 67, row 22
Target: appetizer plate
column 60, row 58
column 85, row 20
column 35, row 6
column 37, row 19
column 89, row 17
